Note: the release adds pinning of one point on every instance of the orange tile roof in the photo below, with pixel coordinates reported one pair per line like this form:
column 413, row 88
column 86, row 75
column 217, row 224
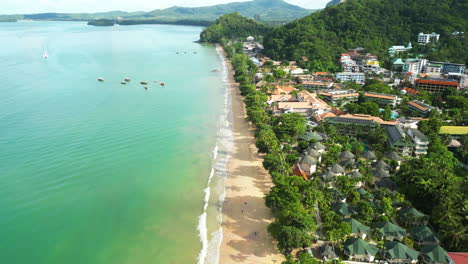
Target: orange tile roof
column 337, row 111
column 316, row 83
column 322, row 73
column 411, row 91
column 369, row 117
column 420, row 107
column 339, row 95
column 324, row 115
column 437, row 82
column 379, row 96
column 299, row 172
column 283, row 89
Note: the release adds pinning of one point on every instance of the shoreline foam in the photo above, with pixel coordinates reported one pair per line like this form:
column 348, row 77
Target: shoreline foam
column 209, row 254
column 244, row 215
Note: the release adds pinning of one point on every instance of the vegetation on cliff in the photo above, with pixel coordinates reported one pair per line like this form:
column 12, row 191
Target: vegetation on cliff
column 231, row 27
column 373, row 24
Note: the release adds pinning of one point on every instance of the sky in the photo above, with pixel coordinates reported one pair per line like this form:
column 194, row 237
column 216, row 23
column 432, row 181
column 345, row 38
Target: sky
column 79, row 6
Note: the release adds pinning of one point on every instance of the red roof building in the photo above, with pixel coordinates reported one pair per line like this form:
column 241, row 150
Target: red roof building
column 458, row 257
column 436, row 85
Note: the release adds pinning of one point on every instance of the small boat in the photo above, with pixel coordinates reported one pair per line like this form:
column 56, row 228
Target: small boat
column 144, row 83
column 100, row 79
column 146, row 87
column 162, row 83
column 45, row 56
column 127, row 79
column 215, row 70
column 123, row 83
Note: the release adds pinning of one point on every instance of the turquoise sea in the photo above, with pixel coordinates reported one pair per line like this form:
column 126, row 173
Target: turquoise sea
column 106, row 173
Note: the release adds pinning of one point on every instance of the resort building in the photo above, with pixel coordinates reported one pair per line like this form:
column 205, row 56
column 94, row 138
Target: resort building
column 348, row 64
column 304, row 78
column 420, row 107
column 398, row 140
column 357, row 77
column 389, row 231
column 423, row 39
column 283, row 90
column 434, row 69
column 304, row 103
column 452, row 68
column 340, row 97
column 396, row 252
column 382, row 99
column 393, row 50
column 435, row 85
column 414, row 65
column 358, row 229
column 423, row 235
column 353, row 124
column 420, row 141
column 359, row 250
column 371, row 65
column 317, row 86
column 434, row 254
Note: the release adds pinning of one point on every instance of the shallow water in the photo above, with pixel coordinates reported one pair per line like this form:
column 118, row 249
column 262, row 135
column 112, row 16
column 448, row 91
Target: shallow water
column 102, row 172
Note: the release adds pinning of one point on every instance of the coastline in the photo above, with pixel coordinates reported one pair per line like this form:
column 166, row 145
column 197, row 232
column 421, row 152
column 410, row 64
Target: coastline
column 244, row 213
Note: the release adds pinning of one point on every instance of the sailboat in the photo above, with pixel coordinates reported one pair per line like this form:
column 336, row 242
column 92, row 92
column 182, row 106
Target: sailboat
column 45, row 55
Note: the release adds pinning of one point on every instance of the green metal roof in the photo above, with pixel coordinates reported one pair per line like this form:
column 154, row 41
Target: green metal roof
column 423, row 233
column 308, row 136
column 344, row 209
column 357, row 246
column 411, row 213
column 396, row 250
column 357, row 227
column 389, row 229
column 435, row 254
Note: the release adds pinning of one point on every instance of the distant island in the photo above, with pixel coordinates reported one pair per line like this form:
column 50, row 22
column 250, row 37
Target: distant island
column 267, row 11
column 102, row 22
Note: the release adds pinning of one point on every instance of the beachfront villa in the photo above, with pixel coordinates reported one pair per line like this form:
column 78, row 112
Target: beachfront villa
column 360, row 250
column 304, row 103
column 358, row 230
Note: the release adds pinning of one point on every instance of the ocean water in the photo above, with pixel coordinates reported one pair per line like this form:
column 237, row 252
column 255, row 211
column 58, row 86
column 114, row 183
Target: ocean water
column 100, row 172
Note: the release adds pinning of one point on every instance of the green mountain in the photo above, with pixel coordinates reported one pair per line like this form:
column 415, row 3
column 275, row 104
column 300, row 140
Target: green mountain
column 232, row 26
column 275, row 11
column 267, row 10
column 375, row 25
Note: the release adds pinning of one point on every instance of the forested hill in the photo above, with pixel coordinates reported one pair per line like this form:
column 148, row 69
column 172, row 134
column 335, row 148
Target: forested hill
column 232, row 26
column 373, row 24
column 271, row 11
column 265, row 10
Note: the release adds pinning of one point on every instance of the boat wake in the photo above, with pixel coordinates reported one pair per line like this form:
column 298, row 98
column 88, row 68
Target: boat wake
column 212, row 219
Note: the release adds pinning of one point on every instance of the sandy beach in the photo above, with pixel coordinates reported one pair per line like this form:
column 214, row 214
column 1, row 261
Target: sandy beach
column 245, row 216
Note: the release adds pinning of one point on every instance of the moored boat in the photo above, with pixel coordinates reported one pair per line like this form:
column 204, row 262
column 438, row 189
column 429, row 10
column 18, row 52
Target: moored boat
column 123, row 83
column 127, row 79
column 100, row 79
column 144, row 83
column 162, row 83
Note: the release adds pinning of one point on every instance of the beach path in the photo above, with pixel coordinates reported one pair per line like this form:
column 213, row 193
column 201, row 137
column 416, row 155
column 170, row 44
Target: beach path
column 245, row 216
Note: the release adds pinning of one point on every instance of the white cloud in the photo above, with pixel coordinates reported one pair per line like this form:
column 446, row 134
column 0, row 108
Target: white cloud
column 69, row 6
